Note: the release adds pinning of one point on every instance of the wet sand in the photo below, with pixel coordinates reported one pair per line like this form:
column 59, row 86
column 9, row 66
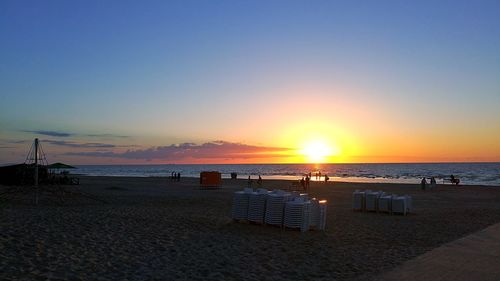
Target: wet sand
column 152, row 228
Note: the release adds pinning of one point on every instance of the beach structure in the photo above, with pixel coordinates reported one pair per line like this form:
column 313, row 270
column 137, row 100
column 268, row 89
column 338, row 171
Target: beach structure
column 37, row 177
column 26, row 177
column 60, row 166
column 33, row 155
column 31, row 172
column 35, row 170
column 22, row 174
column 210, row 179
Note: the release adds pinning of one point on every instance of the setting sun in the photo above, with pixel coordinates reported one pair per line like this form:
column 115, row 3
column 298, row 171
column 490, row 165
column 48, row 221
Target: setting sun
column 318, row 151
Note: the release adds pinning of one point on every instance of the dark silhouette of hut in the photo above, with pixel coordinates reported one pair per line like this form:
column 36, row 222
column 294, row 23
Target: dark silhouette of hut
column 22, row 174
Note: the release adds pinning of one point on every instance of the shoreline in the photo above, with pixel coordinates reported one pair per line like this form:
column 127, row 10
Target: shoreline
column 295, row 179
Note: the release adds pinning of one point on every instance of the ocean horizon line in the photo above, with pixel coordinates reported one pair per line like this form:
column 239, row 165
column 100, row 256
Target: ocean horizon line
column 335, row 163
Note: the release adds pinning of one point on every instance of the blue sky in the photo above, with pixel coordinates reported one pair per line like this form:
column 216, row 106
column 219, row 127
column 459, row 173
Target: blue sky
column 170, row 72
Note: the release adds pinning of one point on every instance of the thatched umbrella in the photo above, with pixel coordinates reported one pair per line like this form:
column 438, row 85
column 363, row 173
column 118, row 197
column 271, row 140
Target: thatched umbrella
column 59, row 165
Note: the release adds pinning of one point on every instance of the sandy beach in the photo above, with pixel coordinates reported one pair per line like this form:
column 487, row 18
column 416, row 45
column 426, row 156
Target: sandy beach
column 153, row 228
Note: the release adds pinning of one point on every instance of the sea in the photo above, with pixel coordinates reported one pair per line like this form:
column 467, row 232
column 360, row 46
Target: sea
column 468, row 173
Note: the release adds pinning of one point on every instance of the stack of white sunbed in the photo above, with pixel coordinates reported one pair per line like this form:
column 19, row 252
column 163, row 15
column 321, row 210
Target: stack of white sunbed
column 298, row 213
column 358, row 200
column 401, row 204
column 240, row 204
column 280, row 208
column 322, row 215
column 381, row 202
column 275, row 206
column 317, row 218
column 314, row 214
column 385, row 203
column 257, row 205
column 371, row 200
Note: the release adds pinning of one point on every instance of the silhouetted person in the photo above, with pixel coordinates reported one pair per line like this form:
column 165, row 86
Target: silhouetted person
column 307, row 182
column 454, row 180
column 303, row 183
column 178, row 176
column 423, row 183
column 249, row 182
column 259, row 181
column 326, row 178
column 433, row 182
column 319, row 174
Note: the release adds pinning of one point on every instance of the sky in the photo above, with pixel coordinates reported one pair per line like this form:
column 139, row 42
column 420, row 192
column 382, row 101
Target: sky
column 122, row 82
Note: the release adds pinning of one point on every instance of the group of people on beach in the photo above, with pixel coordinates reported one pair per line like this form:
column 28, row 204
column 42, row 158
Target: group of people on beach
column 423, row 182
column 175, row 176
column 305, row 181
column 259, row 182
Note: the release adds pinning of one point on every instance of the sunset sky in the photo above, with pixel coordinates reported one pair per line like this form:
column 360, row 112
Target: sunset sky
column 108, row 82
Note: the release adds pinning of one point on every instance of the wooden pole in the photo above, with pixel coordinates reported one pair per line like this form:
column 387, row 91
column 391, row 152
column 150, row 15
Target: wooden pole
column 36, row 171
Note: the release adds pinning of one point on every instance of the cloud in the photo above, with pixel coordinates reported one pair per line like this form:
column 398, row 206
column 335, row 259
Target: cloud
column 106, row 136
column 209, row 150
column 50, row 133
column 79, row 145
column 68, row 134
column 13, row 141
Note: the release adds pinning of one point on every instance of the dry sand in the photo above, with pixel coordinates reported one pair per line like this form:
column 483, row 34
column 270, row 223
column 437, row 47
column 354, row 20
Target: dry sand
column 152, row 228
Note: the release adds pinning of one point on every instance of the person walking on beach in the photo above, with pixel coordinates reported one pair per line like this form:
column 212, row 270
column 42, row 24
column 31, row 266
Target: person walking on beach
column 259, row 181
column 319, row 175
column 433, row 182
column 178, row 176
column 249, row 182
column 303, row 183
column 307, row 182
column 423, row 183
column 326, row 178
